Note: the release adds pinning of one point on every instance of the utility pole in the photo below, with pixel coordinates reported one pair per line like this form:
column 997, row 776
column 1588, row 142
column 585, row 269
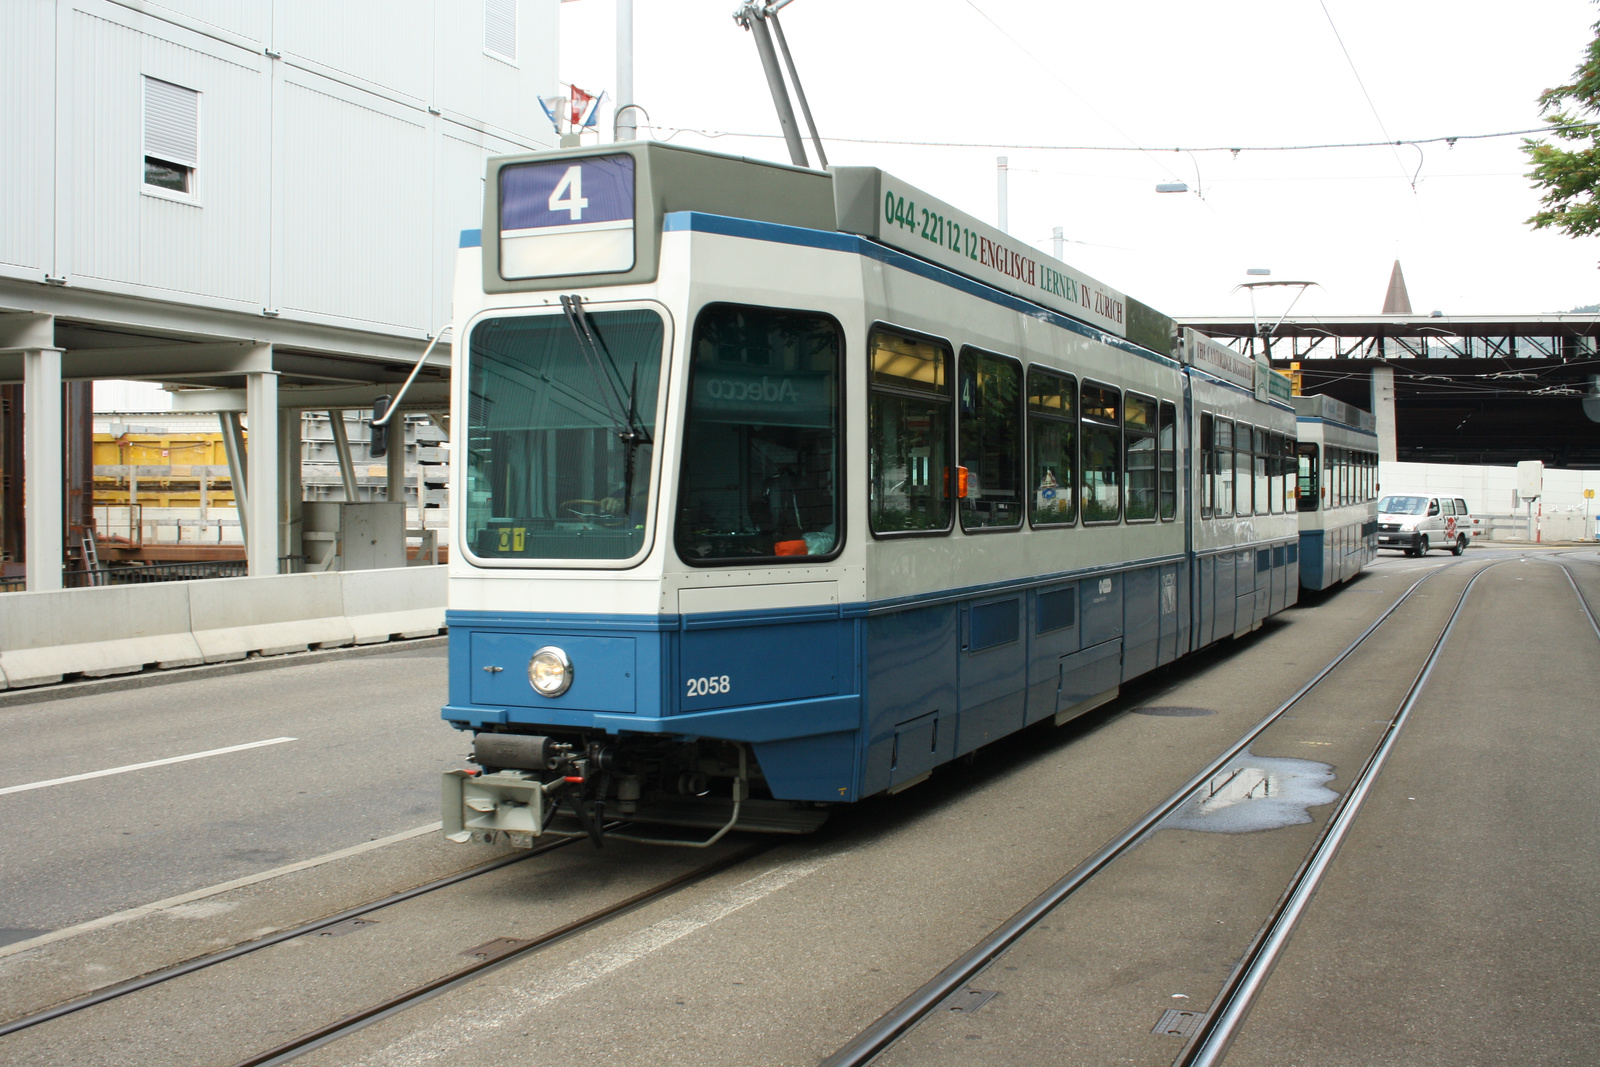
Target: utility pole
column 626, row 127
column 1005, row 209
column 1059, row 237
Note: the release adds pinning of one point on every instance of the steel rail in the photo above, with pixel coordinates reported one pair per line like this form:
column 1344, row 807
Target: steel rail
column 894, row 1024
column 167, row 974
column 1583, row 601
column 1211, row 1039
column 323, row 1035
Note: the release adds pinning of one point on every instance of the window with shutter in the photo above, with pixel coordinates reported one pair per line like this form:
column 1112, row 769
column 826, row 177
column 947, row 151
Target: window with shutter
column 171, row 136
column 500, row 29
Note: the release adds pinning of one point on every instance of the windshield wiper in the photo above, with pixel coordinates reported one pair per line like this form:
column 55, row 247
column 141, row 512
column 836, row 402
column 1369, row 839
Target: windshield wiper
column 624, row 417
column 627, row 428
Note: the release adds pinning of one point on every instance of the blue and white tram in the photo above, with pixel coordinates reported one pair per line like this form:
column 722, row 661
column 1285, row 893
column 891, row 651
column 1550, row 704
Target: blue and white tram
column 776, row 489
column 1338, row 490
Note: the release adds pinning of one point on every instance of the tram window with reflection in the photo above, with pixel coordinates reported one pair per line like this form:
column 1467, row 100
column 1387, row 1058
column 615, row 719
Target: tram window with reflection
column 1139, row 427
column 1308, row 481
column 1052, row 447
column 761, row 444
column 989, row 436
column 1101, row 423
column 1167, row 449
column 908, row 430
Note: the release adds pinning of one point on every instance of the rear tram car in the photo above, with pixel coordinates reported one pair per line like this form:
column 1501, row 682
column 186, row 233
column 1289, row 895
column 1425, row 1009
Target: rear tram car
column 777, row 489
column 1338, row 490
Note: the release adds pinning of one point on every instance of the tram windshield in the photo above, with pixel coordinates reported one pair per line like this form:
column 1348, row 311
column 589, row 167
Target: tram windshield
column 1403, row 505
column 561, row 413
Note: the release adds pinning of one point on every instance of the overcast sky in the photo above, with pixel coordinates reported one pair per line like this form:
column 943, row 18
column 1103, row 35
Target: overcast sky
column 1160, row 75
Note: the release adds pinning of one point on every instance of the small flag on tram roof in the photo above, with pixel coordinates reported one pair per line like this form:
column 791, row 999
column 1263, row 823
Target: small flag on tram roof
column 585, row 107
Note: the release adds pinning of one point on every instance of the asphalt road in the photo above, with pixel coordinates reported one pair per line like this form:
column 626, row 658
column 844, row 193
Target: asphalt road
column 368, row 746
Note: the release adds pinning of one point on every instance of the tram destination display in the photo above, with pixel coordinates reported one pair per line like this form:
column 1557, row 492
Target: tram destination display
column 566, row 217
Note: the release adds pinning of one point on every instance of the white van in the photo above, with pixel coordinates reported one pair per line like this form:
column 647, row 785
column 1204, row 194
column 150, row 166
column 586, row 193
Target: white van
column 1416, row 523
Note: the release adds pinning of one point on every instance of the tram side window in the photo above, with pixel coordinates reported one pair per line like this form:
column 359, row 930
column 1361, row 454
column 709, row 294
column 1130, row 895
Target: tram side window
column 909, row 434
column 1273, row 449
column 990, row 440
column 1307, row 482
column 1208, row 465
column 1243, row 484
column 1102, row 453
column 1167, row 446
column 1224, row 467
column 1263, row 488
column 1286, row 473
column 1139, row 446
column 1053, row 447
column 760, row 476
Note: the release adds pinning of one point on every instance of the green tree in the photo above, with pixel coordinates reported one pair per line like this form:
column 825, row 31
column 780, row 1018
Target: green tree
column 1568, row 168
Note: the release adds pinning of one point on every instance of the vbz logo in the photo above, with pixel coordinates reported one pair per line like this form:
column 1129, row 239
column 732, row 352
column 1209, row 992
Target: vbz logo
column 1105, row 586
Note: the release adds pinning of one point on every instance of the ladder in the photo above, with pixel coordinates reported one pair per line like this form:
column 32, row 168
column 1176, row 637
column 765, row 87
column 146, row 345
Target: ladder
column 91, row 560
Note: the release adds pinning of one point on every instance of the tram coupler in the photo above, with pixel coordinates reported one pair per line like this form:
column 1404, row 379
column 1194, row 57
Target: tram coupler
column 484, row 806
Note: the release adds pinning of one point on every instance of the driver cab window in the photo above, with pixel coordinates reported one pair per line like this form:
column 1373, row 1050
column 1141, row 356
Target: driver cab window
column 760, row 476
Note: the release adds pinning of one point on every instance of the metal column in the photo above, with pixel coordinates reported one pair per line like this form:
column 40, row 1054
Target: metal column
column 233, row 447
column 291, row 508
column 347, row 465
column 261, row 472
column 42, row 468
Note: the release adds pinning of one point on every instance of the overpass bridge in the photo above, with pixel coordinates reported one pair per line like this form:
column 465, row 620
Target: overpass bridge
column 1478, row 389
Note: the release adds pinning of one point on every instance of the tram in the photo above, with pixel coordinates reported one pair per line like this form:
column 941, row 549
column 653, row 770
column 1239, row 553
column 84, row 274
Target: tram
column 1338, row 490
column 777, row 489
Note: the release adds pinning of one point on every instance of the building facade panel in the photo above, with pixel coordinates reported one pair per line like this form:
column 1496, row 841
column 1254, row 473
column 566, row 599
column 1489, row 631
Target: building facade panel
column 27, row 129
column 249, row 19
column 357, row 198
column 375, row 41
column 499, row 94
column 209, row 242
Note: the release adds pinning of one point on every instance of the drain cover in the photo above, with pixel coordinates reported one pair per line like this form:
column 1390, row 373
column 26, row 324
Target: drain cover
column 347, row 927
column 1175, row 713
column 493, row 950
column 1175, row 1023
column 970, row 1000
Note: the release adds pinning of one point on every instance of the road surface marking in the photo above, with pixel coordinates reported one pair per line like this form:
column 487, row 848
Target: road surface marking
column 142, row 766
column 200, row 894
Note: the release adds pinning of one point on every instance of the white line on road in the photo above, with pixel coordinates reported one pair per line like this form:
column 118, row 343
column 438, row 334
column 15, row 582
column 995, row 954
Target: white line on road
column 200, row 894
column 142, row 766
column 445, row 1037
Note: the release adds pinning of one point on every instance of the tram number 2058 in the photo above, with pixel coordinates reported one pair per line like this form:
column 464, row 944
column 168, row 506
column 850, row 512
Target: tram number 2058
column 699, row 687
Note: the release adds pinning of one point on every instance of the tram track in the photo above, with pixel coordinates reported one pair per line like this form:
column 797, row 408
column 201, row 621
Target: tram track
column 889, row 1029
column 498, row 954
column 179, row 970
column 349, row 1024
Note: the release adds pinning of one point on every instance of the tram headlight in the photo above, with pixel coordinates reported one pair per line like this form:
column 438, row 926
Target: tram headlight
column 550, row 671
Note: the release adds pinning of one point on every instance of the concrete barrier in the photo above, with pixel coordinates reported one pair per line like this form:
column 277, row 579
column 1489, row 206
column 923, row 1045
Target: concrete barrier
column 273, row 615
column 94, row 632
column 44, row 637
column 403, row 602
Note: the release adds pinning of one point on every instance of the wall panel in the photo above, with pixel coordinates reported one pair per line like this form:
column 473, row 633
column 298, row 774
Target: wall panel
column 380, row 41
column 27, row 129
column 356, row 205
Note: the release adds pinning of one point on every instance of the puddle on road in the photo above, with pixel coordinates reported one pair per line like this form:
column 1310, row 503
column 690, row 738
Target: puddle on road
column 1256, row 793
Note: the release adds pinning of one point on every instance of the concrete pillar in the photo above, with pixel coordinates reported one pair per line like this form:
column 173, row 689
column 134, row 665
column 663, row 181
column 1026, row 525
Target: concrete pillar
column 41, row 468
column 1383, row 411
column 395, row 471
column 261, row 472
column 291, row 508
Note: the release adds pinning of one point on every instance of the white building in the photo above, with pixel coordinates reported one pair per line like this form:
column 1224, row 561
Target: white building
column 262, row 197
